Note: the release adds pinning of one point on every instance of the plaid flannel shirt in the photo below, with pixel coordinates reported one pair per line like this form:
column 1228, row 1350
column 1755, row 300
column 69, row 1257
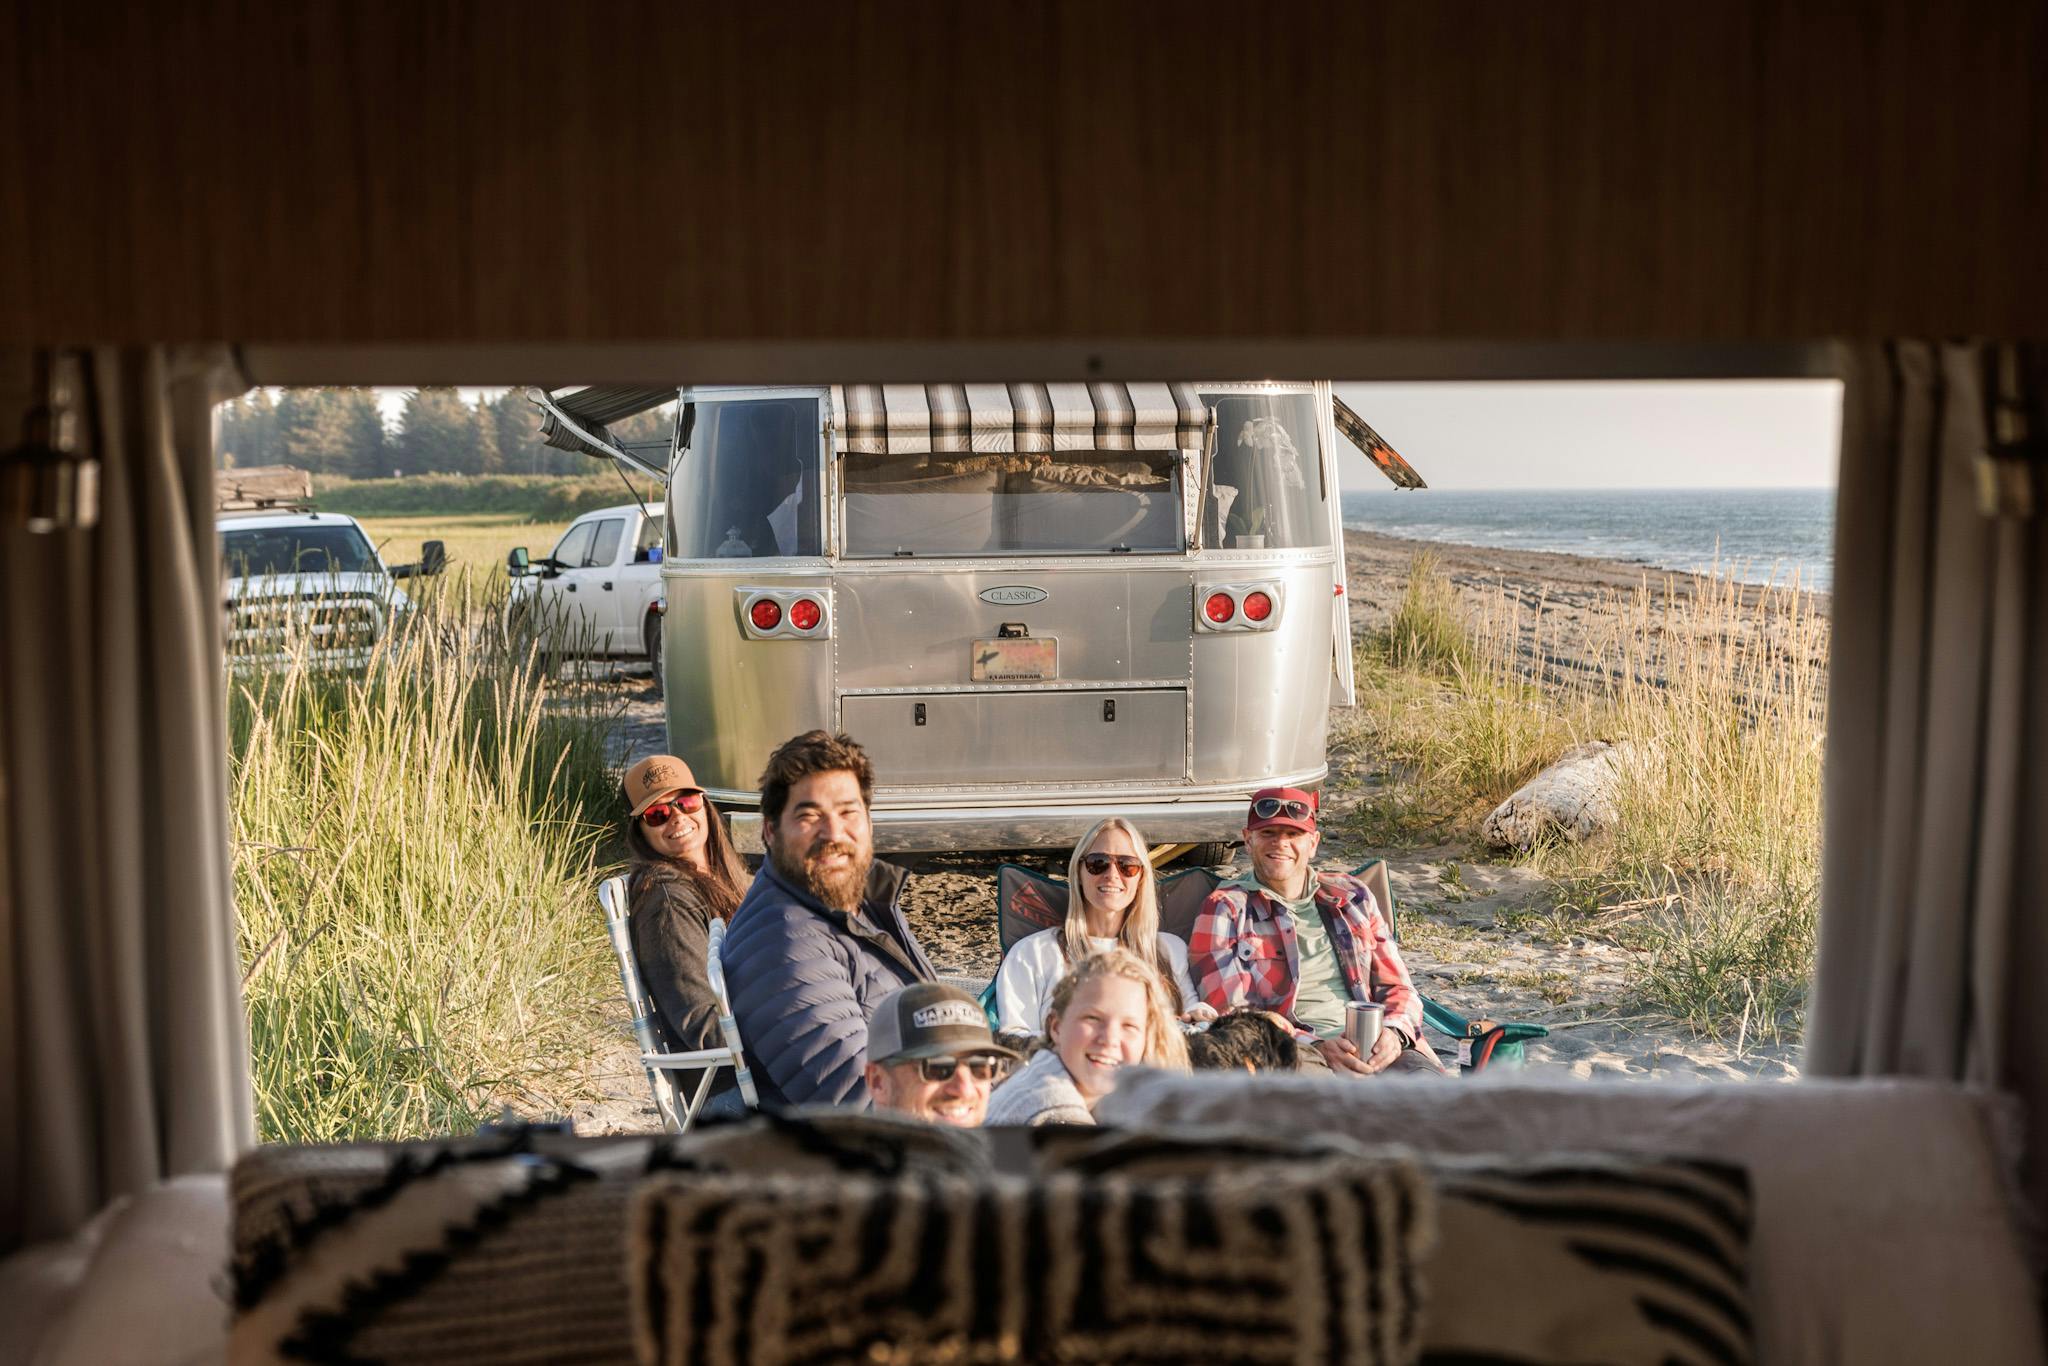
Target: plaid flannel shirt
column 1243, row 952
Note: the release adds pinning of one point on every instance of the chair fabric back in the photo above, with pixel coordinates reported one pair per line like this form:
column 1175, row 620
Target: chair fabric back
column 1028, row 901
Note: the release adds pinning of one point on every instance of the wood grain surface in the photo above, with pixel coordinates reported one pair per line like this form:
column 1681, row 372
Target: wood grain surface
column 436, row 172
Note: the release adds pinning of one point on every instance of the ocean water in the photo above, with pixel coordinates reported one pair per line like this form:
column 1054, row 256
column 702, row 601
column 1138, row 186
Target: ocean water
column 1750, row 534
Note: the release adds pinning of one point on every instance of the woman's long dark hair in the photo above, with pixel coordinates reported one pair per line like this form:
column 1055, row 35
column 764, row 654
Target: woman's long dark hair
column 723, row 881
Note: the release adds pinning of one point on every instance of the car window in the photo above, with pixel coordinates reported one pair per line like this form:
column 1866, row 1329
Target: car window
column 570, row 550
column 650, row 537
column 331, row 548
column 605, row 552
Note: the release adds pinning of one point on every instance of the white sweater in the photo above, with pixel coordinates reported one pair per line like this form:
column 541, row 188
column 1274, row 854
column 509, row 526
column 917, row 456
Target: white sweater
column 1034, row 965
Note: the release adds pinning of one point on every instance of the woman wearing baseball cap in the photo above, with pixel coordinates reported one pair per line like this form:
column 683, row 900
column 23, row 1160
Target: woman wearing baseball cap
column 684, row 872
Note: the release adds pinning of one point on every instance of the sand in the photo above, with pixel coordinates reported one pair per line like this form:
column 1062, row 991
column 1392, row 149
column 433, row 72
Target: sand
column 1463, row 918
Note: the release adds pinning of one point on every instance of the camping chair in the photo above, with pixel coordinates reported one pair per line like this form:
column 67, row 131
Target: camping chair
column 1481, row 1043
column 1028, row 901
column 666, row 1070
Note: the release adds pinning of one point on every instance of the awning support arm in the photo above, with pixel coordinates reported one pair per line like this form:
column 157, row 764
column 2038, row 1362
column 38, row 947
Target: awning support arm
column 582, row 433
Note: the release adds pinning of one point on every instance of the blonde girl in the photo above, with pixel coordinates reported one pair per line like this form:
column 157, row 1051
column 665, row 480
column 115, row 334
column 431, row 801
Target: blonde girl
column 1108, row 1013
column 1112, row 902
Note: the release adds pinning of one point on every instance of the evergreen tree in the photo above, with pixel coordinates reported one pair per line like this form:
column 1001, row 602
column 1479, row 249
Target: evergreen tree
column 517, row 423
column 484, row 426
column 292, row 440
column 334, row 431
column 248, row 431
column 369, row 456
column 437, row 434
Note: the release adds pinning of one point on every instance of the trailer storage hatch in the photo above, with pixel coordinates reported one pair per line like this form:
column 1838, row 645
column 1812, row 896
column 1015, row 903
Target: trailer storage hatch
column 1023, row 738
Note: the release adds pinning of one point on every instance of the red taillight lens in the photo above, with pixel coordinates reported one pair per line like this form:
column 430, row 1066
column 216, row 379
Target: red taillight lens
column 804, row 614
column 766, row 614
column 1257, row 606
column 1219, row 607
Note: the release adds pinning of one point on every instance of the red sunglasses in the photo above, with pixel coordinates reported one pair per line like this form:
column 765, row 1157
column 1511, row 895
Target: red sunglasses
column 661, row 813
column 1095, row 865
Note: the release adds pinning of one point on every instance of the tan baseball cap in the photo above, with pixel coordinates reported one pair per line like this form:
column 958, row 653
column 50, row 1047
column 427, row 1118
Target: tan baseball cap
column 655, row 776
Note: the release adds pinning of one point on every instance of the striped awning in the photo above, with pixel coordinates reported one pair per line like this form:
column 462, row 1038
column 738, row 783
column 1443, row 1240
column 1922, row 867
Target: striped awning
column 923, row 419
column 578, row 419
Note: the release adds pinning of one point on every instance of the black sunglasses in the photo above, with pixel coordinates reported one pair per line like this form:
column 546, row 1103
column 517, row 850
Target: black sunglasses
column 1095, row 865
column 981, row 1067
column 1265, row 808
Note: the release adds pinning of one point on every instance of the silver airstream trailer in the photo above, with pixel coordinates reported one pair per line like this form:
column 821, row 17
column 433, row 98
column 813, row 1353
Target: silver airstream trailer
column 1034, row 604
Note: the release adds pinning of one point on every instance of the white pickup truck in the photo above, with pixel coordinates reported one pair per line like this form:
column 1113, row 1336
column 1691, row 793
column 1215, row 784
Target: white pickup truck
column 598, row 592
column 293, row 572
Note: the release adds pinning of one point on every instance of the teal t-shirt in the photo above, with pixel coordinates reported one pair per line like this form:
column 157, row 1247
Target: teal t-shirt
column 1320, row 989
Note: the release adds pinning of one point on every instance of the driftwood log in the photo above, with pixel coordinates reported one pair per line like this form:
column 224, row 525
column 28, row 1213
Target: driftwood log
column 1571, row 800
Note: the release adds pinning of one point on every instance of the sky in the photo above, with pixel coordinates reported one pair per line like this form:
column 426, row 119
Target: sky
column 1607, row 435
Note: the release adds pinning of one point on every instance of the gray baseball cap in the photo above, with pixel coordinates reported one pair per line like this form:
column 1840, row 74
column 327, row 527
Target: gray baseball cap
column 929, row 1020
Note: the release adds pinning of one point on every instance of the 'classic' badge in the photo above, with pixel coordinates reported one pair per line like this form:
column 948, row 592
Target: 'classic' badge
column 1012, row 595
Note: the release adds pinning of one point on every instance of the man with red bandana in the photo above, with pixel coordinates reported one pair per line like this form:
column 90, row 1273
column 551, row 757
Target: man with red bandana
column 1300, row 943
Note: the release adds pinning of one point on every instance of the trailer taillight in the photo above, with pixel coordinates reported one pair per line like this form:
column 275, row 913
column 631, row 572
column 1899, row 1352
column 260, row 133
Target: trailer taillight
column 1229, row 608
column 785, row 614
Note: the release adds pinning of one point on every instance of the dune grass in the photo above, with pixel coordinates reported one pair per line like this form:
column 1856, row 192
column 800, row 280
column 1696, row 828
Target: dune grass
column 413, row 856
column 1711, row 872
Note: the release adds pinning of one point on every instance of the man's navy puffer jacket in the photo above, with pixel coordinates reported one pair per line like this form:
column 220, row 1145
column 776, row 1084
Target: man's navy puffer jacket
column 804, row 980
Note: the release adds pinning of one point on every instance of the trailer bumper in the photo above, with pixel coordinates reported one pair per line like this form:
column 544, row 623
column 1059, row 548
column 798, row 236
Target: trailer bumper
column 967, row 828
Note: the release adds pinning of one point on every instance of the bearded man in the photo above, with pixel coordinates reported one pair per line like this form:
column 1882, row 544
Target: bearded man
column 818, row 941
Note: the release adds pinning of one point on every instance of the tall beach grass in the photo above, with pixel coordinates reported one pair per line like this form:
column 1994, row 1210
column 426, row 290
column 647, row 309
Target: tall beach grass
column 413, row 853
column 1713, row 689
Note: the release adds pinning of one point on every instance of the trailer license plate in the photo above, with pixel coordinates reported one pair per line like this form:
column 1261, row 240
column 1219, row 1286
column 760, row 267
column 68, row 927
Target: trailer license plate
column 1022, row 659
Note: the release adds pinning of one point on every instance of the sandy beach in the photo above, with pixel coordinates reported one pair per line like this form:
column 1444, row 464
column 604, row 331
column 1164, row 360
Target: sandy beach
column 1465, row 917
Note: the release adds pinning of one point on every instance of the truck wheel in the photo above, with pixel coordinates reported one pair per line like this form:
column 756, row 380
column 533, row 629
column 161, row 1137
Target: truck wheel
column 654, row 660
column 1214, row 855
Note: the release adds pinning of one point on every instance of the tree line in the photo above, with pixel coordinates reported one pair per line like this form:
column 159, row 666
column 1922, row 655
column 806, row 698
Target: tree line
column 341, row 432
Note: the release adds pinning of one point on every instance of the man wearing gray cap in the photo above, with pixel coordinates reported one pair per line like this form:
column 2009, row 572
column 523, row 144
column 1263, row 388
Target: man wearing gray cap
column 931, row 1056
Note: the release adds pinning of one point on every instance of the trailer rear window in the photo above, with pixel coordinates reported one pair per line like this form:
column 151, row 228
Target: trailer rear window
column 1265, row 487
column 1042, row 503
column 747, row 486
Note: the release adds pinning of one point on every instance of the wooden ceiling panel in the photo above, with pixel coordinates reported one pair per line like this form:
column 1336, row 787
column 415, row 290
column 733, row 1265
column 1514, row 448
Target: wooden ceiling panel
column 899, row 172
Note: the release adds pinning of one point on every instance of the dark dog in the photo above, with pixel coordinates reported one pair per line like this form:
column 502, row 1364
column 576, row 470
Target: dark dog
column 1249, row 1039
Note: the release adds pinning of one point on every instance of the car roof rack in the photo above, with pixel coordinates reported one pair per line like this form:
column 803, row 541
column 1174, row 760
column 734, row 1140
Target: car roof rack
column 263, row 488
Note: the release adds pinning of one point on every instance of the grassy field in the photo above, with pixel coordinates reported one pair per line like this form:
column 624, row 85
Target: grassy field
column 545, row 498
column 478, row 541
column 1712, row 869
column 414, row 848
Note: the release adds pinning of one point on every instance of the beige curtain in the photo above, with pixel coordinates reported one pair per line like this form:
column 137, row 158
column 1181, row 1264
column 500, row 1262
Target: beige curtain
column 123, row 1047
column 1933, row 961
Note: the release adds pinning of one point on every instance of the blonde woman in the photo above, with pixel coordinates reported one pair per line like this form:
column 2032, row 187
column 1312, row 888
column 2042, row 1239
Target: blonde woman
column 1109, row 1013
column 1112, row 902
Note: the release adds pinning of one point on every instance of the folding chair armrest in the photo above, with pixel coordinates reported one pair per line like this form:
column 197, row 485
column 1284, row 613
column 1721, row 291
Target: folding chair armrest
column 697, row 1058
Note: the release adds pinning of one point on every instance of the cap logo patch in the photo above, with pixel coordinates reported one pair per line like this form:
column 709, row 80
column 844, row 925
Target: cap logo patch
column 943, row 1013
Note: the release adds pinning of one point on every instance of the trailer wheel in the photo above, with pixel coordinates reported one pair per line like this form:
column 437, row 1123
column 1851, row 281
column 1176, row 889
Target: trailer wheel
column 1214, row 855
column 652, row 635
